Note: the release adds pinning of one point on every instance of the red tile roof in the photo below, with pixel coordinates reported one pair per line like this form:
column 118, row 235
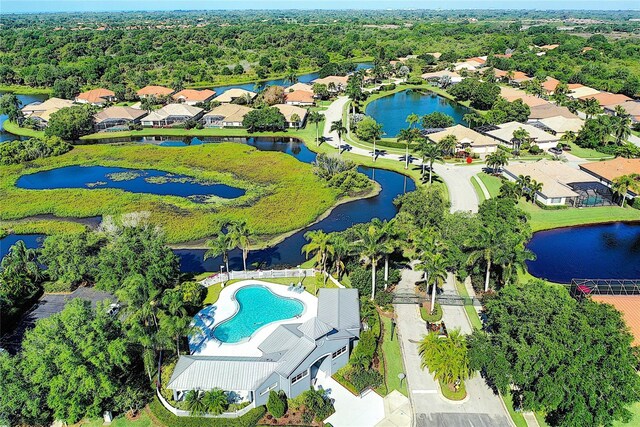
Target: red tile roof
column 94, row 96
column 155, row 91
column 193, row 95
column 629, row 306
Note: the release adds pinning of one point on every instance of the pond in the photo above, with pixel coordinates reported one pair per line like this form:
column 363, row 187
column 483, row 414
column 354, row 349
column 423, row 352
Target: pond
column 600, row 251
column 24, row 99
column 149, row 181
column 289, row 251
column 392, row 111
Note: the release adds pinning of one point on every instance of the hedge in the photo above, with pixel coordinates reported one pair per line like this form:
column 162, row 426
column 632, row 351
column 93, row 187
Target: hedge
column 250, row 419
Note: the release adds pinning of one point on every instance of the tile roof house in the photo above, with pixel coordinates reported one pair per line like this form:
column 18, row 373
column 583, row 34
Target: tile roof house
column 96, row 97
column 154, row 91
column 288, row 111
column 172, row 114
column 505, row 133
column 555, row 178
column 299, row 86
column 511, row 94
column 226, row 115
column 299, row 97
column 340, row 82
column 550, row 85
column 41, row 111
column 232, row 94
column 468, row 138
column 562, row 125
column 629, row 307
column 193, row 96
column 291, row 356
column 545, row 111
column 112, row 117
column 631, row 107
column 608, row 170
column 576, row 91
column 606, row 99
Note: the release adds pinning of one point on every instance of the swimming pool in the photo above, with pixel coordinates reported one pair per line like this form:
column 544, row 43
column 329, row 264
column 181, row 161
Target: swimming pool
column 257, row 307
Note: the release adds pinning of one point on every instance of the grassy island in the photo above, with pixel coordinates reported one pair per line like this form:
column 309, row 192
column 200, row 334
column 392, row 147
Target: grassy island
column 282, row 194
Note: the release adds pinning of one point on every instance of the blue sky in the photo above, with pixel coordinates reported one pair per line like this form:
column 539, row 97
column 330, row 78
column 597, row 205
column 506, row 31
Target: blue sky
column 18, row 6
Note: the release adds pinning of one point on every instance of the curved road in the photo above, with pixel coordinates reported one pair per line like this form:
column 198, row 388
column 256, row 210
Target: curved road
column 457, row 178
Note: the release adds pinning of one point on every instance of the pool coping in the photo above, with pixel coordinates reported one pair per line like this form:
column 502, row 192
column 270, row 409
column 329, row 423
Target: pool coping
column 227, row 307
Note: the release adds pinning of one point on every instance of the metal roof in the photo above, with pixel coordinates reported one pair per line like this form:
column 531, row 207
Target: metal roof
column 282, row 339
column 315, row 328
column 227, row 373
column 295, row 356
column 339, row 308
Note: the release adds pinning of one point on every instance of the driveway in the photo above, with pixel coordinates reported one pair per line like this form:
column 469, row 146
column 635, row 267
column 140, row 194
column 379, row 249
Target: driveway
column 352, row 411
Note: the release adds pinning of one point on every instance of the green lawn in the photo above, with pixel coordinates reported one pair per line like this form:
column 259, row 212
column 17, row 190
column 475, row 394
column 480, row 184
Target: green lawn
column 588, row 153
column 13, row 128
column 492, row 183
column 25, row 90
column 392, row 359
column 143, row 421
column 517, row 417
column 285, row 193
column 469, row 309
column 479, row 191
column 635, row 420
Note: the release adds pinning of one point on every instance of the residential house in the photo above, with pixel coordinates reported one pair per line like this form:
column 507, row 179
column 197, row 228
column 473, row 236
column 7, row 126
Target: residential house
column 561, row 183
column 578, row 91
column 476, row 142
column 117, row 118
column 299, row 97
column 606, row 99
column 469, row 65
column 545, row 111
column 172, row 114
column 504, row 133
column 629, row 307
column 290, row 112
column 230, row 95
column 290, row 360
column 608, row 170
column 549, row 46
column 226, row 115
column 561, row 125
column 631, row 107
column 41, row 111
column 97, row 97
column 154, row 92
column 550, row 84
column 511, row 94
column 193, row 96
column 438, row 76
column 299, row 86
column 334, row 84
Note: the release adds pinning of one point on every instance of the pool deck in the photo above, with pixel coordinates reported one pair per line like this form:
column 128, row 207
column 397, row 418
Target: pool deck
column 226, row 307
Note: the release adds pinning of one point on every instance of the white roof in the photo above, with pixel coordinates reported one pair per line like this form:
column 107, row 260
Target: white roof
column 173, row 110
column 233, row 93
column 583, row 91
column 299, row 86
column 554, row 176
column 289, row 110
column 562, row 124
column 49, row 104
column 505, row 132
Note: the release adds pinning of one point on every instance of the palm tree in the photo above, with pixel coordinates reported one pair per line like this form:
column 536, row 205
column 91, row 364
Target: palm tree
column 338, row 127
column 523, row 182
column 21, row 261
column 369, row 247
column 591, row 107
column 408, row 136
column 240, row 236
column 569, row 137
column 510, row 190
column 413, row 119
column 341, row 250
column 534, row 188
column 220, row 245
column 446, row 358
column 621, row 127
column 520, row 135
column 448, row 144
column 291, row 78
column 434, row 266
column 295, row 118
column 193, row 402
column 320, row 245
column 388, row 234
column 621, row 185
column 474, row 119
column 215, row 401
column 376, row 133
column 485, row 247
column 497, row 160
column 315, row 117
column 430, row 153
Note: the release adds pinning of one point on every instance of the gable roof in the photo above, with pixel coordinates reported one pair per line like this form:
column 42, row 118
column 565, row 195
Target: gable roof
column 230, row 112
column 631, row 107
column 289, row 110
column 281, row 339
column 95, row 96
column 299, row 96
column 337, row 80
column 299, row 86
column 582, row 91
column 554, row 176
column 230, row 94
column 193, row 95
column 227, row 373
column 173, row 110
column 511, row 94
column 563, row 124
column 339, row 308
column 49, row 104
column 155, row 91
column 550, row 84
column 117, row 112
column 314, row 328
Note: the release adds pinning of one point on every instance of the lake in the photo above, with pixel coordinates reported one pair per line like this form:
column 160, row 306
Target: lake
column 289, row 251
column 24, row 99
column 600, row 251
column 392, row 111
column 149, row 181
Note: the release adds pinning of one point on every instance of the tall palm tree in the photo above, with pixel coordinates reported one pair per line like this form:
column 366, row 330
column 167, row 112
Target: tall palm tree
column 446, row 358
column 569, row 137
column 413, row 119
column 621, row 127
column 523, row 182
column 339, row 128
column 376, row 133
column 430, row 153
column 621, row 185
column 591, row 107
column 520, row 136
column 388, row 234
column 370, row 248
column 485, row 247
column 497, row 160
column 534, row 188
column 241, row 236
column 510, row 190
column 408, row 136
column 220, row 245
column 473, row 119
column 320, row 245
column 434, row 266
column 341, row 250
column 315, row 117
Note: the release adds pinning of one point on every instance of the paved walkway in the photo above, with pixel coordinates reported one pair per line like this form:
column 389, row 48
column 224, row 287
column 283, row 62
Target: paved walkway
column 457, row 178
column 485, row 190
column 482, row 408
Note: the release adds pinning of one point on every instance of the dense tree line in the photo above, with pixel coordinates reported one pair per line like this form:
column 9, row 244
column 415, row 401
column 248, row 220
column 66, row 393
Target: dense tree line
column 12, row 152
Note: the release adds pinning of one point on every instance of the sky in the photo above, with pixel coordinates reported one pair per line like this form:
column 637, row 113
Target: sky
column 30, row 6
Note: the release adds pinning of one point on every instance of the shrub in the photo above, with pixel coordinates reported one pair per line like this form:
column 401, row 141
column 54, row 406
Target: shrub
column 428, row 317
column 363, row 353
column 363, row 378
column 250, row 419
column 277, row 404
column 13, row 152
column 384, row 298
column 317, row 404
